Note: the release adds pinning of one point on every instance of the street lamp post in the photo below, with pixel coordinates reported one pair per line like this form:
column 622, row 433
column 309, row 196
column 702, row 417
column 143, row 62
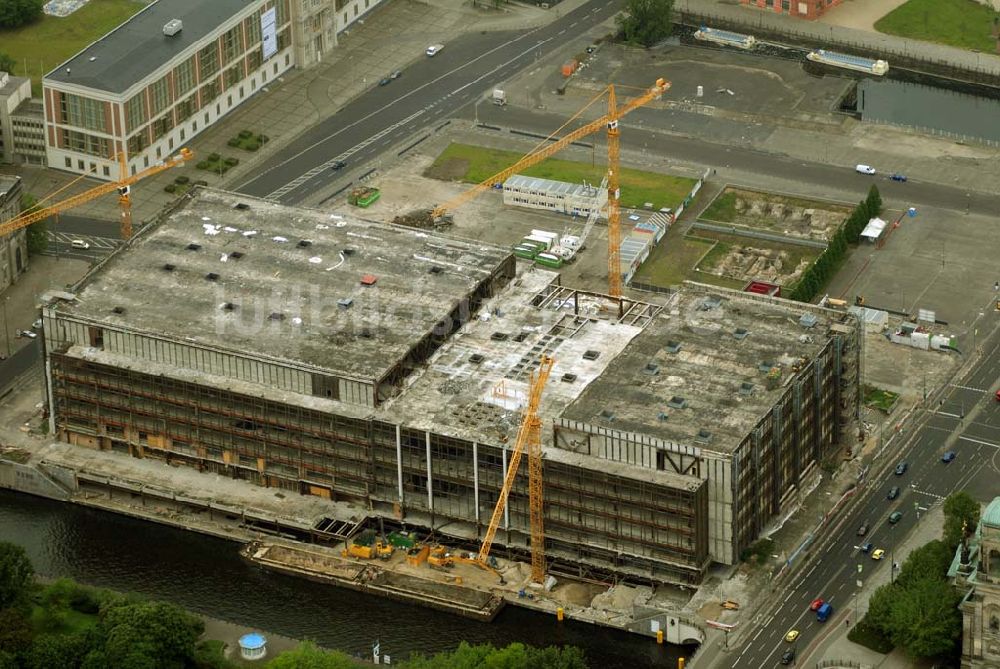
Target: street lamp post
column 476, row 108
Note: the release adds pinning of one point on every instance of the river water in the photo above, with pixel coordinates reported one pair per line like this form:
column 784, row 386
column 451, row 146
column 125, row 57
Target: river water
column 206, row 575
column 936, row 109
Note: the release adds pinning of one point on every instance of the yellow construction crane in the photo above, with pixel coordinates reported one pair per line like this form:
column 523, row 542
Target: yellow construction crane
column 123, row 186
column 609, row 121
column 528, row 435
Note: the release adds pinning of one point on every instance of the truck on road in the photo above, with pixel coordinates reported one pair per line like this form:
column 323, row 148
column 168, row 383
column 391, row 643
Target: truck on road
column 824, row 612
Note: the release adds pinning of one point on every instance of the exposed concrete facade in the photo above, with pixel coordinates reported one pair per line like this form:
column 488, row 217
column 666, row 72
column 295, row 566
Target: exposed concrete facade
column 15, row 96
column 396, row 366
column 13, row 247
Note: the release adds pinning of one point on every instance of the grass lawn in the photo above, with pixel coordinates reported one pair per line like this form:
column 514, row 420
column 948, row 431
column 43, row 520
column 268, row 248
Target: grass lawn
column 883, row 400
column 51, row 40
column 672, row 260
column 962, row 23
column 474, row 164
column 722, row 209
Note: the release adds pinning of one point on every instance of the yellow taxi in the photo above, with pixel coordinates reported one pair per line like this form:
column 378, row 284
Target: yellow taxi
column 878, row 554
column 792, row 636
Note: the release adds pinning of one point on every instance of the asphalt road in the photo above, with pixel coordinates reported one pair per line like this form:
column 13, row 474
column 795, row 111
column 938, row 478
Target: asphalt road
column 968, row 422
column 429, row 92
column 723, row 154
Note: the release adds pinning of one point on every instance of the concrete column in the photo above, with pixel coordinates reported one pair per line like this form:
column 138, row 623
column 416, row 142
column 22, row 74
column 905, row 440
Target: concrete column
column 475, row 476
column 430, row 482
column 399, row 465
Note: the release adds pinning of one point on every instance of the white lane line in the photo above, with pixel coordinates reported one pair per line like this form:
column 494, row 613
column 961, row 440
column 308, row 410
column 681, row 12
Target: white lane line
column 402, row 97
column 978, row 390
column 979, row 441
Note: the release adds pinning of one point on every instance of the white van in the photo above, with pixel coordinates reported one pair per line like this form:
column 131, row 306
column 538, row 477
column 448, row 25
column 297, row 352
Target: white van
column 79, row 244
column 434, row 48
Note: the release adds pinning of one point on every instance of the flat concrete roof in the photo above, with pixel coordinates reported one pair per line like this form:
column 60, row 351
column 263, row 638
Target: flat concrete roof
column 701, row 365
column 300, row 265
column 137, row 48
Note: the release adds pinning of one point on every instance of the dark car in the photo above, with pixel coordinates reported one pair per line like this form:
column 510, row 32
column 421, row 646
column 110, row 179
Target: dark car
column 901, row 468
column 896, row 176
column 866, row 547
column 948, row 457
column 893, row 492
column 338, row 165
column 384, row 81
column 863, row 530
column 894, row 517
column 788, row 657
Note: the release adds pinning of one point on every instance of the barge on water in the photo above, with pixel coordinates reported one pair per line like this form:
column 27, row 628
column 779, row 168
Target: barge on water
column 323, row 567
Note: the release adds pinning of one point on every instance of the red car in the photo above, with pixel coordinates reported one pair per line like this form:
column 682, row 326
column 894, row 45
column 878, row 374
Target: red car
column 998, row 396
column 816, row 603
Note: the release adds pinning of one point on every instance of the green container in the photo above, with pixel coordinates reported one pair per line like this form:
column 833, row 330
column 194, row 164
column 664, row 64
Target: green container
column 525, row 251
column 548, row 260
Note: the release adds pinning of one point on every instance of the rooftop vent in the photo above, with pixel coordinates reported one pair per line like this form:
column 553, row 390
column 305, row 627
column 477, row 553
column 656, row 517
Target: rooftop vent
column 591, row 355
column 765, row 367
column 677, row 402
column 808, row 320
column 740, row 333
column 710, row 302
column 520, row 336
column 193, row 247
column 348, row 252
column 651, row 369
column 476, row 358
column 435, row 269
column 673, row 347
column 746, row 388
column 172, row 27
column 499, row 336
column 304, row 243
column 236, row 255
column 242, row 206
column 662, row 416
column 212, row 276
column 228, row 306
column 607, row 414
column 276, row 316
column 345, row 302
column 368, row 279
column 568, row 378
column 118, row 310
column 703, row 436
column 169, row 268
column 366, row 333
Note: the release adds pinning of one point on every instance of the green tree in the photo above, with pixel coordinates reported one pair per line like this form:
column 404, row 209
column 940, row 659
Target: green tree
column 37, row 233
column 930, row 561
column 16, row 13
column 8, row 660
column 153, row 635
column 959, row 508
column 64, row 651
column 874, row 201
column 15, row 631
column 16, row 575
column 925, row 619
column 308, row 656
column 880, row 607
column 646, row 22
column 514, row 656
column 7, row 63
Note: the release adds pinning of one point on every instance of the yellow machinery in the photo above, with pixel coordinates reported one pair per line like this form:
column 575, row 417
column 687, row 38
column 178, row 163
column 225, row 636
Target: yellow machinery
column 440, row 558
column 609, row 121
column 123, row 186
column 367, row 546
column 417, row 555
column 529, row 435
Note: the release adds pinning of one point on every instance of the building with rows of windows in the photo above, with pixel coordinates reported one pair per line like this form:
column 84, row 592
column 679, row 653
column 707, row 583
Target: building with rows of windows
column 172, row 70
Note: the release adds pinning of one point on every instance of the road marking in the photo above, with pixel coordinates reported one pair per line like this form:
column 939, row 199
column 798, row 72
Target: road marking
column 978, row 390
column 979, row 441
column 403, row 97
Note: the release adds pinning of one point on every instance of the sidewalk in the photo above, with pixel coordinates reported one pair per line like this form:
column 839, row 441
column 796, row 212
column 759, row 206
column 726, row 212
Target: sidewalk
column 22, row 298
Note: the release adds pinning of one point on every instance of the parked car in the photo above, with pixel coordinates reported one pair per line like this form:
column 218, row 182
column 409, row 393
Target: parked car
column 792, row 636
column 866, row 547
column 901, row 468
column 863, row 530
column 26, row 333
column 864, row 169
column 894, row 517
column 816, row 603
column 338, row 165
column 37, row 325
column 396, row 74
column 896, row 176
column 384, row 81
column 998, row 396
column 878, row 554
column 79, row 244
column 788, row 657
column 893, row 492
column 434, row 49
column 948, row 457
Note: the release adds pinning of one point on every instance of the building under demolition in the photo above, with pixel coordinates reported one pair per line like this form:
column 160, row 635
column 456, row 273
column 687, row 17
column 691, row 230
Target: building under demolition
column 387, row 366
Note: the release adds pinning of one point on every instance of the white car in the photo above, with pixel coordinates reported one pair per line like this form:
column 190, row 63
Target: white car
column 79, row 244
column 26, row 333
column 433, row 49
column 864, row 169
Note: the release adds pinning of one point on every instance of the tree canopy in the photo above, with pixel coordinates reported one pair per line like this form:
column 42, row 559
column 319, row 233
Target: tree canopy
column 16, row 13
column 960, row 507
column 308, row 656
column 646, row 22
column 16, row 574
column 157, row 635
column 7, row 63
column 925, row 619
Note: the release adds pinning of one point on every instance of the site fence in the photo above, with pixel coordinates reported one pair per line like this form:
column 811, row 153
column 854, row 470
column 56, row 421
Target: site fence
column 969, row 139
